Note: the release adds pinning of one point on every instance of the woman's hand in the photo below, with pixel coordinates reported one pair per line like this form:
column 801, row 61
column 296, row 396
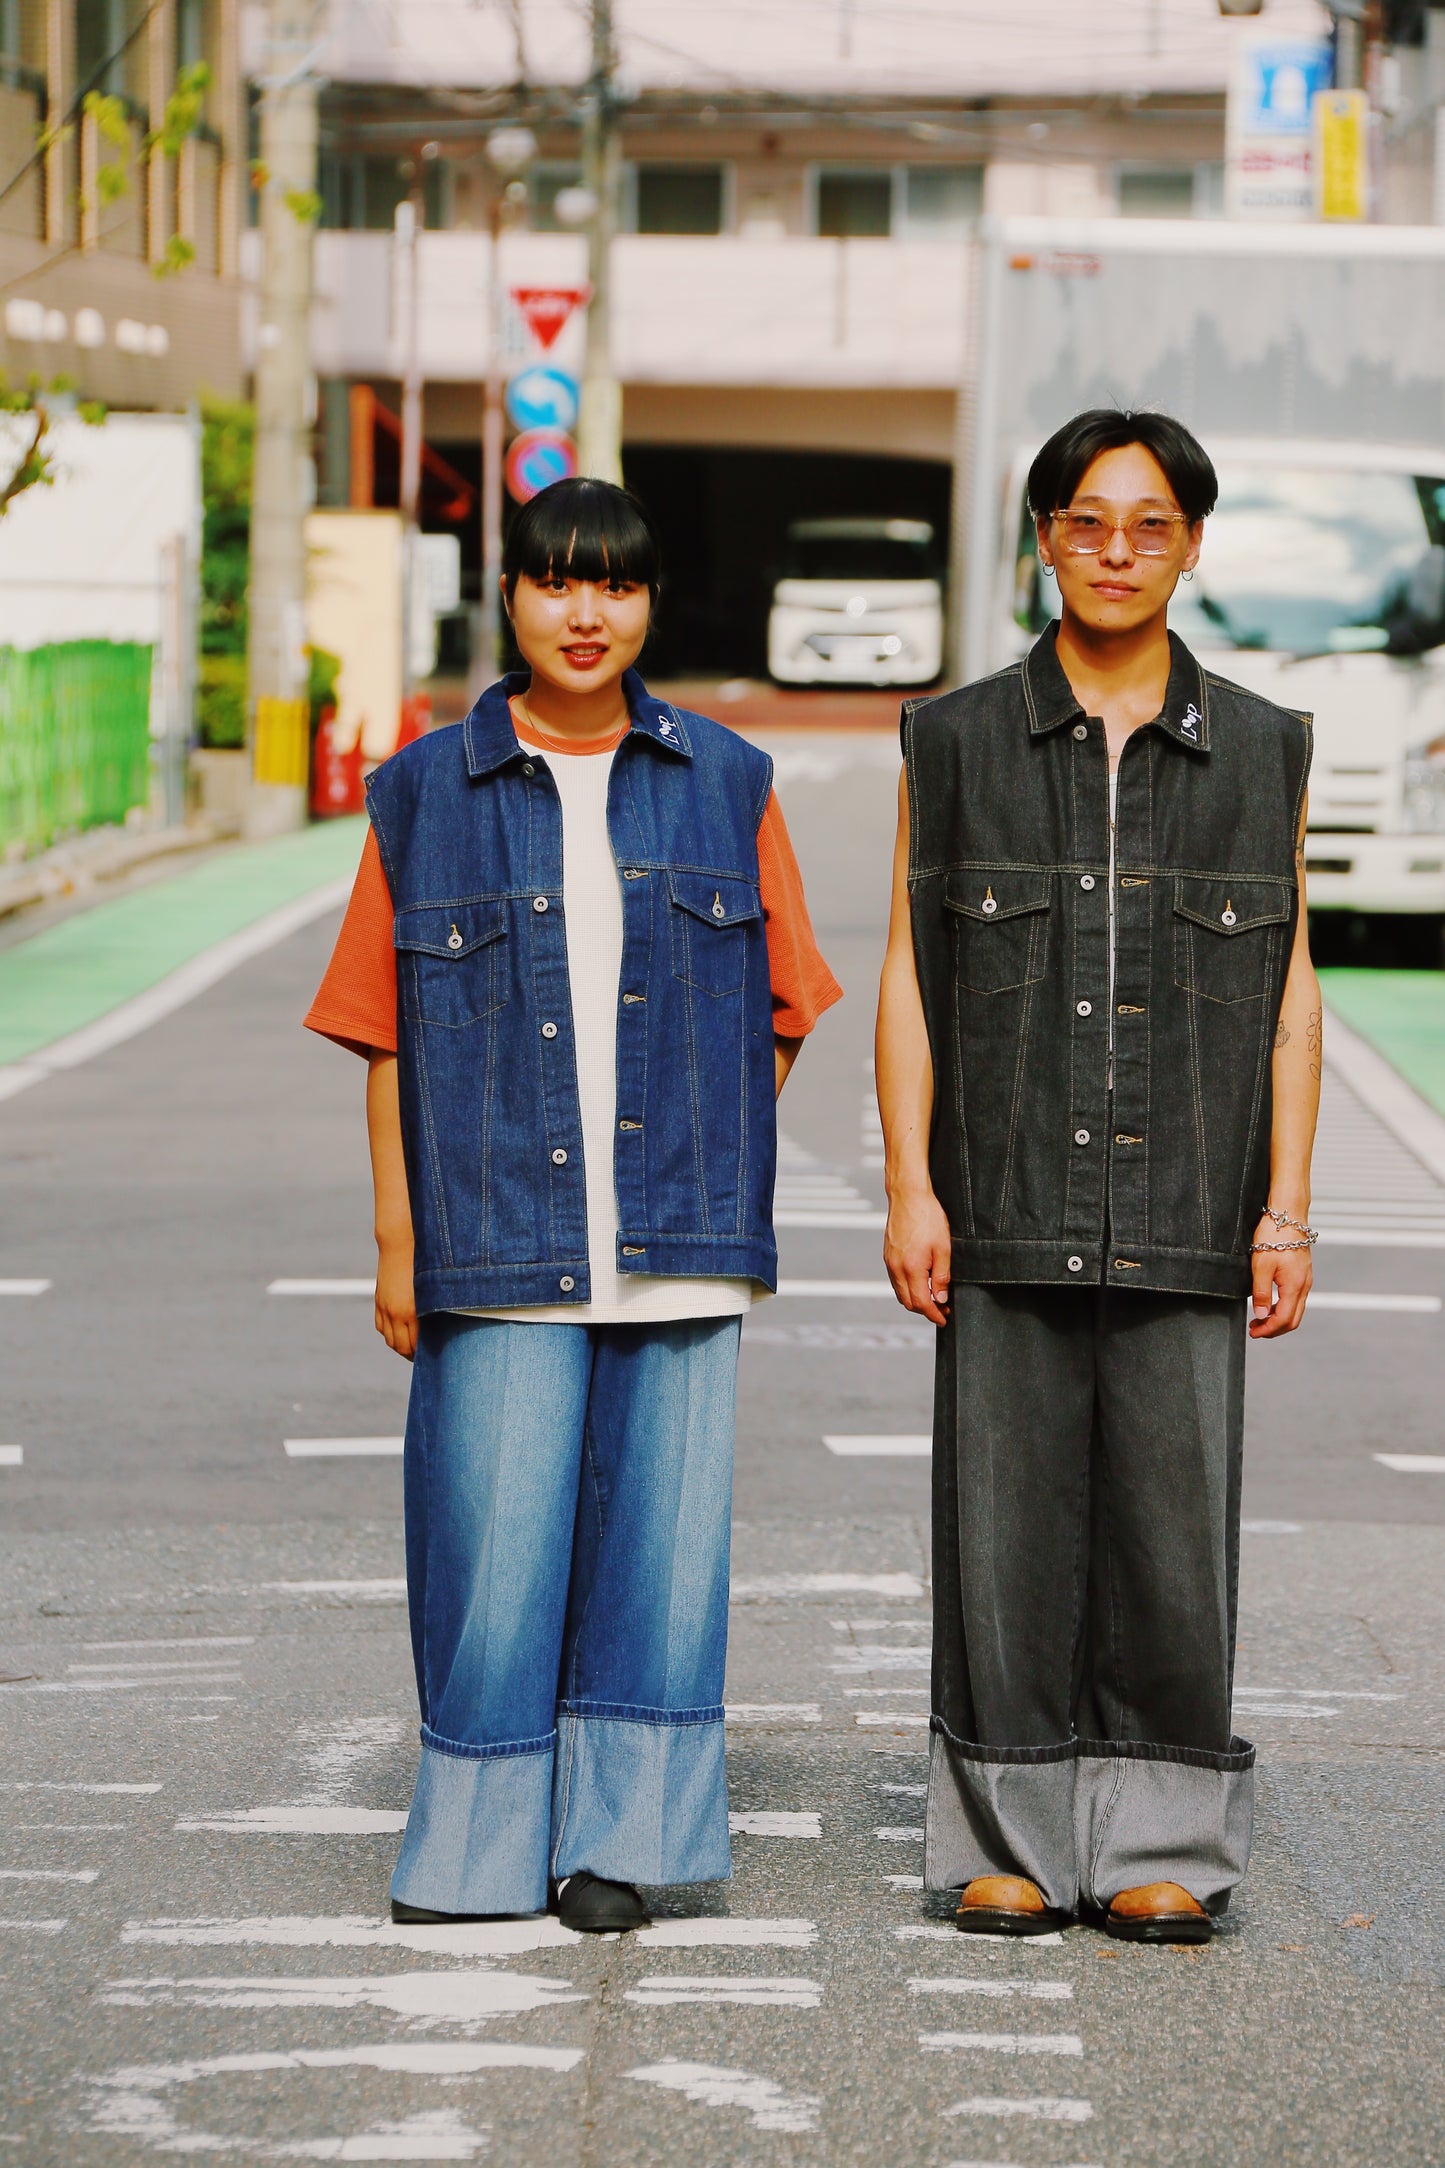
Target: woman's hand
column 1286, row 1273
column 395, row 1297
column 918, row 1253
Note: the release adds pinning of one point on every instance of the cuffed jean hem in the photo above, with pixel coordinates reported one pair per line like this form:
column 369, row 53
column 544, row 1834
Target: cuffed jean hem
column 476, row 1836
column 1086, row 1818
column 641, row 1797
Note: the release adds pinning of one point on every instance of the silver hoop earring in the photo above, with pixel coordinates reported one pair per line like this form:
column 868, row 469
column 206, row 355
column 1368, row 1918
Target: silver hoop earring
column 1186, row 575
column 1048, row 570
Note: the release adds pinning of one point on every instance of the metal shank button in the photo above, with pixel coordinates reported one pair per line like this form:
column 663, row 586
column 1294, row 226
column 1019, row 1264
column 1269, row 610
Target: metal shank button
column 549, row 1031
column 1081, row 1136
column 559, row 1157
column 528, row 768
column 1086, row 880
column 1076, row 1264
column 566, row 1283
column 1084, row 1008
column 1081, row 730
column 539, row 903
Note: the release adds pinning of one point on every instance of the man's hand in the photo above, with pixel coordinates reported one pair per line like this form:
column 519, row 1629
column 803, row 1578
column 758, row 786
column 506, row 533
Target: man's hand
column 395, row 1297
column 1288, row 1274
column 918, row 1253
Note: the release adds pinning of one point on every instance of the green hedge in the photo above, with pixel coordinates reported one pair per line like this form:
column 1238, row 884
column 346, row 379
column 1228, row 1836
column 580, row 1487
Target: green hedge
column 74, row 738
column 221, row 700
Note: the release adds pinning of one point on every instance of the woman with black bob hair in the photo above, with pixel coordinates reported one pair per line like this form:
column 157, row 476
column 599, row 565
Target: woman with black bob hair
column 579, row 962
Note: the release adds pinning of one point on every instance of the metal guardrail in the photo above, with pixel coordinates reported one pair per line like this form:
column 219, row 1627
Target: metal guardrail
column 74, row 738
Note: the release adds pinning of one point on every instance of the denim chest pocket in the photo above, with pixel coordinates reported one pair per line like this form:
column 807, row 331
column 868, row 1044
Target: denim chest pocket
column 1000, row 925
column 1226, row 936
column 452, row 961
column 711, row 914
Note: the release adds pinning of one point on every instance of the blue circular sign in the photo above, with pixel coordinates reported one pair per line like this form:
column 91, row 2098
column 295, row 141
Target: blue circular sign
column 537, row 458
column 542, row 398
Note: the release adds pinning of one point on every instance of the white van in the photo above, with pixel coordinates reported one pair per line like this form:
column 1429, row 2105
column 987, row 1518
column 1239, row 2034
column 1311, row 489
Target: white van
column 1322, row 586
column 860, row 603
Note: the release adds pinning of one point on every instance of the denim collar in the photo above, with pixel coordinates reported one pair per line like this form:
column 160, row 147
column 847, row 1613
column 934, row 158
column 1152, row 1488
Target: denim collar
column 491, row 739
column 1051, row 701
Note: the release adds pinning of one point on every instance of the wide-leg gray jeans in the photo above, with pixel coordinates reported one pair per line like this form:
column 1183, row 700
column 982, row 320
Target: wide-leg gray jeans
column 1086, row 1485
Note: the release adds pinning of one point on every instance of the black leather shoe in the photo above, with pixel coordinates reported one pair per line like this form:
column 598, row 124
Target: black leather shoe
column 590, row 1906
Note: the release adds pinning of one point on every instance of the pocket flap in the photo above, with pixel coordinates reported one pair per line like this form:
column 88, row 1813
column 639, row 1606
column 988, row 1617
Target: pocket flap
column 989, row 897
column 452, row 930
column 720, row 899
column 1229, row 906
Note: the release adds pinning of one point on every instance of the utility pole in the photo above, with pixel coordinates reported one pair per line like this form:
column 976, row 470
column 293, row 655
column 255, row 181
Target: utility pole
column 1349, row 18
column 277, row 711
column 408, row 278
column 599, row 422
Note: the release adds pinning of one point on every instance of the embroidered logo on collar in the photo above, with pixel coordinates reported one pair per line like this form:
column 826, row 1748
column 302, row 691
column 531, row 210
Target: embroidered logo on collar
column 664, row 728
column 1189, row 727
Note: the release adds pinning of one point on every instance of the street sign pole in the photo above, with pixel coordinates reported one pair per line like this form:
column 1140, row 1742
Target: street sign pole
column 599, row 426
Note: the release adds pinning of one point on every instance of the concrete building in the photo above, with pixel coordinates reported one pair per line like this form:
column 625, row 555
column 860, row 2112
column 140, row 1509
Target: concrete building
column 79, row 258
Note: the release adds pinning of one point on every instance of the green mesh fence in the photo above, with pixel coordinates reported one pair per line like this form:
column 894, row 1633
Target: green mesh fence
column 74, row 738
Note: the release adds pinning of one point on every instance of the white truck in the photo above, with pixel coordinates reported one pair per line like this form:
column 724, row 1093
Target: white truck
column 1307, row 361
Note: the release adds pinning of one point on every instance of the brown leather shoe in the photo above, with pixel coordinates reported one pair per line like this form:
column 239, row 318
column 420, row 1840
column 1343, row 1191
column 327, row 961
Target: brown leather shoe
column 1158, row 1912
column 1005, row 1904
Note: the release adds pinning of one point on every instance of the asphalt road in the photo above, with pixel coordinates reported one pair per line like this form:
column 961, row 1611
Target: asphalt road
column 199, row 1962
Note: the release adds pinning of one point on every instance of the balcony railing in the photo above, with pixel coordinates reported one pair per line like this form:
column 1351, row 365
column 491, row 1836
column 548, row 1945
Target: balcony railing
column 705, row 310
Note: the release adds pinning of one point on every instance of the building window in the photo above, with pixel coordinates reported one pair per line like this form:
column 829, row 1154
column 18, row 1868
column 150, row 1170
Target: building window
column 545, row 183
column 190, row 33
column 1156, row 192
column 854, row 202
column 10, row 29
column 940, row 200
column 360, row 193
column 100, row 32
column 678, row 199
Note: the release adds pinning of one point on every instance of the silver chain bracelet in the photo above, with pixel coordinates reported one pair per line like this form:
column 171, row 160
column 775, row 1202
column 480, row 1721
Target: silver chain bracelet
column 1309, row 1235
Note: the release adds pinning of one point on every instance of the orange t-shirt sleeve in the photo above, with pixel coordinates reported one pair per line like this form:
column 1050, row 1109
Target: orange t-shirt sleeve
column 803, row 986
column 356, row 1001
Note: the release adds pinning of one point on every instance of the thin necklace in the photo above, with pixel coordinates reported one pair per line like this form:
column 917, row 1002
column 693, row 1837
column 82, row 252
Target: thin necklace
column 557, row 745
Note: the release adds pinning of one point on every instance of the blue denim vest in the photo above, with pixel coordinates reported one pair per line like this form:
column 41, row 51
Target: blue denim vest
column 469, row 826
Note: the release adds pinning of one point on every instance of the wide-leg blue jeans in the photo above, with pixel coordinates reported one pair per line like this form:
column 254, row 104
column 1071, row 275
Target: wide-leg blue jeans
column 568, row 1505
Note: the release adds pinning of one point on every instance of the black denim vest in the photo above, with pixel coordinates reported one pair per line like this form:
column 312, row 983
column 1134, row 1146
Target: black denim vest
column 1048, row 1176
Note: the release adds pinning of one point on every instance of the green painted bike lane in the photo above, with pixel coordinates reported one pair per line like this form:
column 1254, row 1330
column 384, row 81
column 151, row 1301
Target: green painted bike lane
column 79, row 970
column 1402, row 1014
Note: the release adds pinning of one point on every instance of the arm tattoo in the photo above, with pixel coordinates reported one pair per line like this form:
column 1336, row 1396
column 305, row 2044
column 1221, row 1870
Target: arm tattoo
column 1315, row 1040
column 1281, row 1037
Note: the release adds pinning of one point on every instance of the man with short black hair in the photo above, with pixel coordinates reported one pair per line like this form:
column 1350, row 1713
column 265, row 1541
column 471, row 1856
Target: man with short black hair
column 1098, row 1070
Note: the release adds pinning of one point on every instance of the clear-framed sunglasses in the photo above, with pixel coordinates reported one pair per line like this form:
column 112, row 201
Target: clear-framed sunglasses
column 1148, row 534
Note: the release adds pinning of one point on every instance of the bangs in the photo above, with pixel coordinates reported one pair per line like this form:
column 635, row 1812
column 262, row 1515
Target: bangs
column 582, row 529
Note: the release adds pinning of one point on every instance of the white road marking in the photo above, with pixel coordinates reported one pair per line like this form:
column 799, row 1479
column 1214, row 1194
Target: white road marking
column 343, row 1448
column 173, row 991
column 130, row 2102
column 424, row 1998
column 865, row 1446
column 899, row 1693
column 769, row 1824
column 903, row 1835
column 154, row 1671
column 25, row 1287
column 911, row 1791
column 71, row 1829
column 1034, row 1990
column 378, row 1591
column 767, row 2106
column 1359, row 1083
column 808, row 1193
column 904, row 1881
column 1003, row 2043
column 340, row 1747
column 12, row 1456
column 788, row 1993
column 774, row 1712
column 1050, row 1941
column 44, row 1784
column 49, row 1874
column 479, row 1938
column 1413, row 1463
column 873, row 1221
column 1316, row 1693
column 873, row 1657
column 1272, row 1528
column 1423, row 1305
column 304, row 1821
column 34, row 1927
column 322, row 1287
column 1044, row 2108
column 841, row 1290
column 191, row 1641
column 890, row 1719
column 901, row 1587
